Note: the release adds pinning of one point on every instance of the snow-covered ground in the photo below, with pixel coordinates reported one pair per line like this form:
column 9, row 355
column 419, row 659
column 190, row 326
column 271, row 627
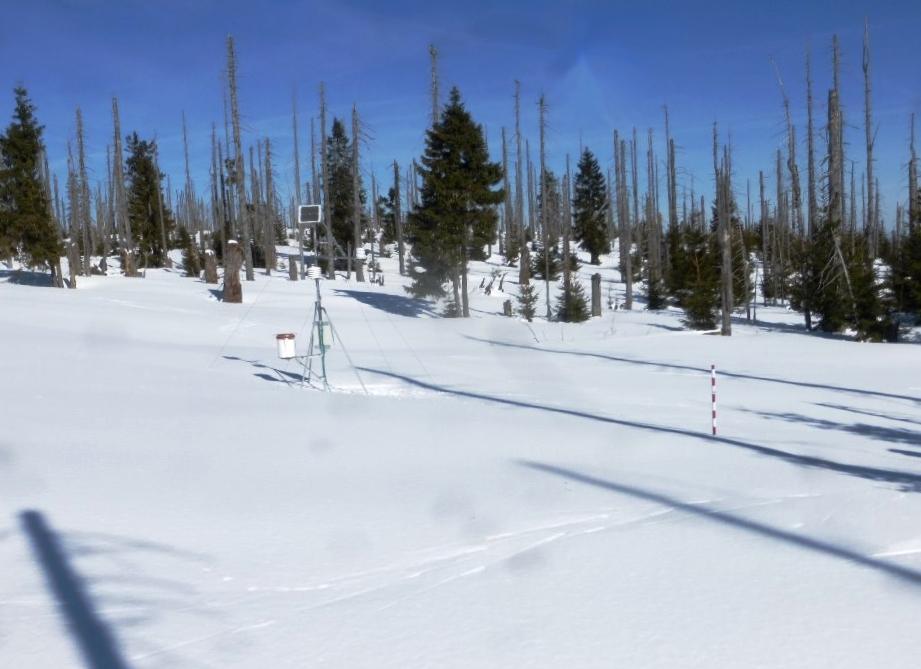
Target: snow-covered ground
column 504, row 495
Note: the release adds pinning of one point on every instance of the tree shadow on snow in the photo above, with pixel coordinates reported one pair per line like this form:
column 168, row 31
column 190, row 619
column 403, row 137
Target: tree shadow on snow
column 905, row 574
column 908, row 481
column 888, row 434
column 864, row 412
column 133, row 597
column 392, row 304
column 702, row 370
column 24, row 277
column 97, row 643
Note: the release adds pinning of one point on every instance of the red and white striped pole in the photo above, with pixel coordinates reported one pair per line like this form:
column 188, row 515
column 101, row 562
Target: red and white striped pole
column 713, row 396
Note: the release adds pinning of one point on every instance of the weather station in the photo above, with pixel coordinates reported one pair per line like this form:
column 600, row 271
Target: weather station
column 322, row 331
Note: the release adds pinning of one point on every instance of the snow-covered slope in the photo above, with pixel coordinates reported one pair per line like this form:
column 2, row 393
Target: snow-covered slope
column 504, row 495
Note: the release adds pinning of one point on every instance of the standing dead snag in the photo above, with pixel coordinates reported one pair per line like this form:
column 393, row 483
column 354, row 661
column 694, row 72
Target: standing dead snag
column 238, row 159
column 233, row 289
column 297, row 182
column 873, row 223
column 398, row 216
column 324, row 169
column 270, row 212
column 524, row 261
column 356, row 197
column 82, row 200
column 723, row 173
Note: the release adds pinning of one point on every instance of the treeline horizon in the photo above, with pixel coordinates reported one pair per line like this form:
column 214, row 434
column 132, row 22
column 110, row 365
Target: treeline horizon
column 820, row 225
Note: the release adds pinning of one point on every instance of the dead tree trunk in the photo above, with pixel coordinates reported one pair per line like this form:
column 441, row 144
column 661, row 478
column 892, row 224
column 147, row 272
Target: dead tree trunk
column 298, row 199
column 271, row 211
column 398, row 216
column 356, row 196
column 914, row 206
column 239, row 160
column 542, row 112
column 508, row 223
column 524, row 261
column 868, row 129
column 433, row 55
column 810, row 144
column 83, row 197
column 233, row 289
column 327, row 209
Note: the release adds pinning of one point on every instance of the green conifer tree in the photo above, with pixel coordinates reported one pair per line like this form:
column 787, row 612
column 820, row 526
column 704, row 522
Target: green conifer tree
column 527, row 301
column 456, row 217
column 27, row 227
column 145, row 198
column 590, row 204
column 571, row 306
column 339, row 159
column 700, row 298
column 191, row 261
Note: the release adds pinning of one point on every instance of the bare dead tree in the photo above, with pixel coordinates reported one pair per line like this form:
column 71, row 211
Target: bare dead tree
column 542, row 113
column 122, row 223
column 623, row 214
column 792, row 166
column 271, row 211
column 870, row 136
column 324, row 168
column 508, row 223
column 672, row 186
column 190, row 213
column 239, row 160
column 83, row 197
column 810, row 149
column 356, row 194
column 298, row 195
column 433, row 56
column 398, row 216
column 160, row 218
column 913, row 204
column 723, row 174
column 524, row 263
column 765, row 235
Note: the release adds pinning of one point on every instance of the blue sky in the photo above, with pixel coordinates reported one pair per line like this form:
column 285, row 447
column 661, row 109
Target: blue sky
column 602, row 65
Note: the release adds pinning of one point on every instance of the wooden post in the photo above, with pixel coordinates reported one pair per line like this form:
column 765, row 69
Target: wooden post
column 210, row 266
column 596, row 294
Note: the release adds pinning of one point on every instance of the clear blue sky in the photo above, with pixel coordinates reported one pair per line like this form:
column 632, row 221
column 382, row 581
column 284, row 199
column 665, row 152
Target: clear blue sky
column 602, row 65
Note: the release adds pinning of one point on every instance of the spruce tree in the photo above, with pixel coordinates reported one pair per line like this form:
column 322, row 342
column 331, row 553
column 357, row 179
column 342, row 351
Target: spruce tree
column 527, row 301
column 191, row 261
column 701, row 298
column 590, row 205
column 145, row 199
column 341, row 185
column 456, row 217
column 27, row 228
column 571, row 306
column 906, row 273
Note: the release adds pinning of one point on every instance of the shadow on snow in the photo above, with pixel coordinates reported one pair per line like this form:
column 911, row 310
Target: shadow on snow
column 910, row 482
column 904, row 574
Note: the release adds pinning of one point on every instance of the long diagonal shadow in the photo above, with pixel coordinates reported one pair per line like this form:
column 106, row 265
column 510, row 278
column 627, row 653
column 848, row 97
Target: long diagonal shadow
column 734, row 375
column 910, row 482
column 97, row 645
column 890, row 569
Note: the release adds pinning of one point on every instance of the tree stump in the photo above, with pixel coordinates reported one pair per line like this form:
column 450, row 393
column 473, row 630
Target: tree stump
column 507, row 307
column 596, row 294
column 292, row 268
column 210, row 267
column 233, row 261
column 129, row 266
column 73, row 261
